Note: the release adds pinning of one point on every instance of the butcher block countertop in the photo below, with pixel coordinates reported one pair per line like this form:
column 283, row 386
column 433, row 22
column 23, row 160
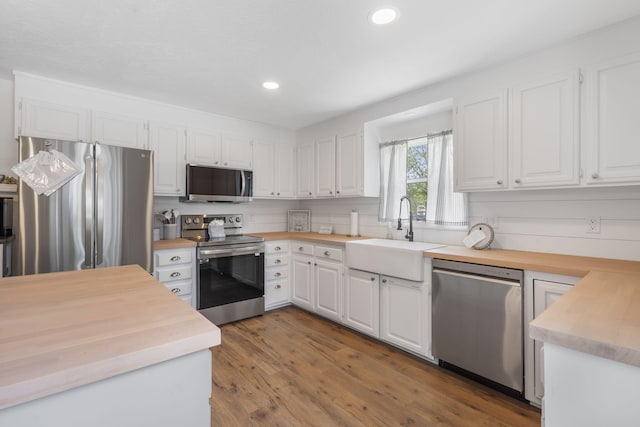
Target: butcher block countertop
column 600, row 315
column 173, row 244
column 62, row 330
column 333, row 239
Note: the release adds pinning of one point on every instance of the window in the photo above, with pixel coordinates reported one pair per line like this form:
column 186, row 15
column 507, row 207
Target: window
column 417, row 177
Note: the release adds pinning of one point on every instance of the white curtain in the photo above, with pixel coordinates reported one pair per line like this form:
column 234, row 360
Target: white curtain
column 393, row 179
column 443, row 205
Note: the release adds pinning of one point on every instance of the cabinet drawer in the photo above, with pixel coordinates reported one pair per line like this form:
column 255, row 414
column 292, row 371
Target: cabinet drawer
column 276, row 273
column 328, row 253
column 302, row 248
column 180, row 288
column 276, row 260
column 173, row 256
column 276, row 247
column 276, row 292
column 180, row 272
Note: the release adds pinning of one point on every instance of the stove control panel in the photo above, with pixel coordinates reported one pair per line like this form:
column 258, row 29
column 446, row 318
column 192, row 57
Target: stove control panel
column 196, row 225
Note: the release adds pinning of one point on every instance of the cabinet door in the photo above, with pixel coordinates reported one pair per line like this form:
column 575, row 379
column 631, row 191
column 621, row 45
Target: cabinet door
column 113, row 129
column 302, row 282
column 328, row 286
column 349, row 165
column 285, row 161
column 48, row 120
column 264, row 169
column 236, row 152
column 544, row 295
column 168, row 145
column 544, row 129
column 480, row 145
column 203, row 147
column 403, row 318
column 612, row 122
column 362, row 302
column 326, row 167
column 305, row 170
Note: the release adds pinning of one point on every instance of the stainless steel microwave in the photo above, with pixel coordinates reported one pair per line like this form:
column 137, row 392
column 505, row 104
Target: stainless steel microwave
column 209, row 184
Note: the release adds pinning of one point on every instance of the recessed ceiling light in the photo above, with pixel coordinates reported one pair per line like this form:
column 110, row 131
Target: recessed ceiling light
column 383, row 16
column 271, row 85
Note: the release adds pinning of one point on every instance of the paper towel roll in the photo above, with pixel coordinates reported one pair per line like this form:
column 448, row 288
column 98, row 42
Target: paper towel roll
column 353, row 228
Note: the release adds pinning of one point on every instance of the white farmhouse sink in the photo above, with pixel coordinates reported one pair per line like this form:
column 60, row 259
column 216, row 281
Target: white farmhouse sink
column 396, row 258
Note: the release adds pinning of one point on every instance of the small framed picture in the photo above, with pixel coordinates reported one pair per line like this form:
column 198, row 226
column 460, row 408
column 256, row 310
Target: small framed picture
column 299, row 220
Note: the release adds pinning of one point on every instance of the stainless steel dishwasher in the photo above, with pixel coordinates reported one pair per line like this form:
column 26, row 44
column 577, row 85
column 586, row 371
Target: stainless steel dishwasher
column 477, row 321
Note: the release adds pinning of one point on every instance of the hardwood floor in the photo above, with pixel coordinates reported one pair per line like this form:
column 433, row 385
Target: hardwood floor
column 291, row 368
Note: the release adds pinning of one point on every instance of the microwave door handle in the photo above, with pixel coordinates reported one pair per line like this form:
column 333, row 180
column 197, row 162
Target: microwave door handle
column 243, row 183
column 88, row 213
column 99, row 211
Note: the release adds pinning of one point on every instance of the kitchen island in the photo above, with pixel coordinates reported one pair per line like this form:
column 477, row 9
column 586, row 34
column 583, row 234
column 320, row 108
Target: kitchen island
column 102, row 347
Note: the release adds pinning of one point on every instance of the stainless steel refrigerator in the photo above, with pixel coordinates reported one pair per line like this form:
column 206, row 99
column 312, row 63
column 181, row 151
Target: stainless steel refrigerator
column 103, row 217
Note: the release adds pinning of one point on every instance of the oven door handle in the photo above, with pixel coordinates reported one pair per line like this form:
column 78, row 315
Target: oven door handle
column 220, row 253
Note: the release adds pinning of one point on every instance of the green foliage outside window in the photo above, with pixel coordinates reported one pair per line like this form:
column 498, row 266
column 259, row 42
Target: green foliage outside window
column 417, row 179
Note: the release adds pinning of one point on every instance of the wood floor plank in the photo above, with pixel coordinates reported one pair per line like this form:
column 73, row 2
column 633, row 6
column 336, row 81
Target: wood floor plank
column 292, row 368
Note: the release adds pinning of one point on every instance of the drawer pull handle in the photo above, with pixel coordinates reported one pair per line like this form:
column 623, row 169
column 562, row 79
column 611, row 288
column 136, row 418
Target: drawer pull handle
column 277, row 248
column 384, row 280
column 595, row 175
column 327, row 253
column 175, row 290
column 278, row 286
column 278, row 274
column 301, row 249
column 277, row 261
column 176, row 258
column 175, row 274
column 373, row 279
column 499, row 182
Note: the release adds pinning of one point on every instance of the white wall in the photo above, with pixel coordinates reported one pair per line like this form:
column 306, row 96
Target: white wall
column 8, row 145
column 550, row 220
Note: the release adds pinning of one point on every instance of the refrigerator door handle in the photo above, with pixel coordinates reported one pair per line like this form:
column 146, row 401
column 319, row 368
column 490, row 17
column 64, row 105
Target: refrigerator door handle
column 99, row 211
column 88, row 213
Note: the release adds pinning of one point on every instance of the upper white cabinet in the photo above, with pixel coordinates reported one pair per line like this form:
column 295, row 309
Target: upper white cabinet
column 326, row 167
column 305, row 182
column 49, row 120
column 168, row 145
column 114, row 129
column 544, row 132
column 210, row 148
column 273, row 170
column 480, row 143
column 349, row 164
column 612, row 122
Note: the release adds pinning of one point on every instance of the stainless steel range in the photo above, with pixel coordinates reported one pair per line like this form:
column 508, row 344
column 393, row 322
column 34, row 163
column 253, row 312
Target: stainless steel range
column 231, row 269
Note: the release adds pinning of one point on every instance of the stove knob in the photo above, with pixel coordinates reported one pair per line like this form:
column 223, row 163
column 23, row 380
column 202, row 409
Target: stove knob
column 231, row 219
column 238, row 219
column 187, row 220
column 196, row 220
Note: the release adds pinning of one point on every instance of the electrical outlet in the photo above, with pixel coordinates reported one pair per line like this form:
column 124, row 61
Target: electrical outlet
column 593, row 224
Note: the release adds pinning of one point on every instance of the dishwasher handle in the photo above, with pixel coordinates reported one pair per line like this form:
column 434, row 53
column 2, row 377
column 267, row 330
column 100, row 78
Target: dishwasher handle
column 477, row 277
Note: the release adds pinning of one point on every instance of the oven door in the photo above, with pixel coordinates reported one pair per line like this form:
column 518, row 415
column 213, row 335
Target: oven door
column 230, row 275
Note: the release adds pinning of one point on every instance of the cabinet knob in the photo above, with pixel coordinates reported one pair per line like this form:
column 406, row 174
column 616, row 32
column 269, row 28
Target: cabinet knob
column 175, row 274
column 309, row 262
column 384, row 280
column 330, row 192
column 301, row 249
column 517, row 180
column 175, row 258
column 315, row 264
column 278, row 286
column 373, row 279
column 175, row 290
column 327, row 253
column 278, row 274
column 277, row 248
column 216, row 162
column 499, row 182
column 338, row 192
column 595, row 175
column 272, row 193
column 310, row 193
column 278, row 194
column 277, row 261
column 225, row 163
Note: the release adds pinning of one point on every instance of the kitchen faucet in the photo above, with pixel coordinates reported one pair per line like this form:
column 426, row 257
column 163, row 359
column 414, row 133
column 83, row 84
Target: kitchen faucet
column 409, row 234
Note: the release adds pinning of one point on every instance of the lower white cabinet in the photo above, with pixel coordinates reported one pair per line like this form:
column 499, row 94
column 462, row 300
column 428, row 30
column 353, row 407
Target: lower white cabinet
column 362, row 302
column 302, row 281
column 176, row 269
column 328, row 289
column 405, row 314
column 276, row 275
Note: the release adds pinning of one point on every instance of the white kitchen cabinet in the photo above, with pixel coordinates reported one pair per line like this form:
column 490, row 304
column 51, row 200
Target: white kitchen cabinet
column 362, row 302
column 349, row 165
column 176, row 269
column 49, row 120
column 480, row 143
column 405, row 314
column 544, row 132
column 328, row 283
column 612, row 125
column 302, row 281
column 168, row 145
column 305, row 164
column 325, row 167
column 276, row 286
column 210, row 148
column 273, row 170
column 122, row 131
column 545, row 293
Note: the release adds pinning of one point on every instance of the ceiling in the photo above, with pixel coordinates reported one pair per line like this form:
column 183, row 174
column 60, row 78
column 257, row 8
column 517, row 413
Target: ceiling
column 213, row 55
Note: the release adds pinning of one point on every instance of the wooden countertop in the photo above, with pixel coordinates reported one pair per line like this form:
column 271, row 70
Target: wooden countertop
column 600, row 315
column 334, row 239
column 62, row 330
column 173, row 244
